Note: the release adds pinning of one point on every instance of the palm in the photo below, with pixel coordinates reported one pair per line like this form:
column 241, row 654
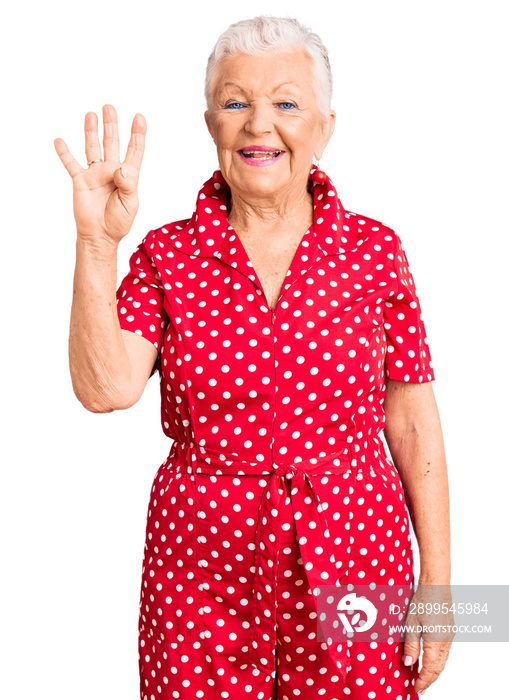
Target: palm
column 97, row 202
column 105, row 204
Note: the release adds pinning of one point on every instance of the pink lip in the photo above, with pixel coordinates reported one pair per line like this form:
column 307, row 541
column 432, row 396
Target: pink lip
column 259, row 163
column 260, row 148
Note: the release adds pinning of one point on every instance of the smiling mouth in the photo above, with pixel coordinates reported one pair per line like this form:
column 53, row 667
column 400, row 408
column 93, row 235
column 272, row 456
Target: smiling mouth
column 261, row 155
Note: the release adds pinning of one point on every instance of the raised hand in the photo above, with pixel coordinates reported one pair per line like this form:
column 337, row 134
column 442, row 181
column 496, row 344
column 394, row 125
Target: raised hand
column 105, row 195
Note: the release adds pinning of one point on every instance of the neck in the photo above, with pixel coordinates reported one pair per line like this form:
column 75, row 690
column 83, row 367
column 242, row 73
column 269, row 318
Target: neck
column 245, row 214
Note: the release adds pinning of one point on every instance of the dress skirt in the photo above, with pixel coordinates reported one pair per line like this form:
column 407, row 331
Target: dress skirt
column 235, row 554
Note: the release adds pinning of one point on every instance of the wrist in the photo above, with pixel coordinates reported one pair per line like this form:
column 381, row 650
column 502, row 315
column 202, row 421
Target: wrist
column 96, row 248
column 435, row 577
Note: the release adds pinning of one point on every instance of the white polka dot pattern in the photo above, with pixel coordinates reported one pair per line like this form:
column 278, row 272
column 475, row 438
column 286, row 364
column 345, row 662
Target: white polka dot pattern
column 407, row 358
column 140, row 298
column 254, row 399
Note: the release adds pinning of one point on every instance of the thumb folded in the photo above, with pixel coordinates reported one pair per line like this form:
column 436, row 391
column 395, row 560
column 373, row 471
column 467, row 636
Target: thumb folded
column 410, row 653
column 124, row 180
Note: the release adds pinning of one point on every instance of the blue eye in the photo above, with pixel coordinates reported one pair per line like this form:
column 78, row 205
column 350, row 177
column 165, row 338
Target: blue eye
column 234, row 105
column 287, row 105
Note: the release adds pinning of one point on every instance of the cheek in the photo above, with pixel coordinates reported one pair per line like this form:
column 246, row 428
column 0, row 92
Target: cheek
column 225, row 135
column 301, row 136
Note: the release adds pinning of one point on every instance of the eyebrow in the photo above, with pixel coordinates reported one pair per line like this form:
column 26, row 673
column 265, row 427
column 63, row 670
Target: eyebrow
column 288, row 82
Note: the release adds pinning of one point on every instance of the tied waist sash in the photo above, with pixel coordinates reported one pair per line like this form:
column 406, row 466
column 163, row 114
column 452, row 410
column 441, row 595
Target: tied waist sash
column 317, row 555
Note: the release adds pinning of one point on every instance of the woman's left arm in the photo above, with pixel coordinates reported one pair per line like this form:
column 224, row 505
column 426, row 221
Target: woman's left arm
column 414, row 435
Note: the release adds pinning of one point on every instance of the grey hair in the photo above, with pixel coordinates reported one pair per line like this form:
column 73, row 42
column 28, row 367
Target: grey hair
column 263, row 33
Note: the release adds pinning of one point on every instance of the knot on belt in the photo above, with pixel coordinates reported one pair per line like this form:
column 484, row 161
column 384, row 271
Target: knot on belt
column 287, row 471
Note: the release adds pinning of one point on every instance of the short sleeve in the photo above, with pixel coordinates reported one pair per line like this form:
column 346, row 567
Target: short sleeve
column 408, row 358
column 140, row 296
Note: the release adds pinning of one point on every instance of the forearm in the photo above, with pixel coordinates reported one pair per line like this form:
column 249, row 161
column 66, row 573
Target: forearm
column 98, row 360
column 419, row 455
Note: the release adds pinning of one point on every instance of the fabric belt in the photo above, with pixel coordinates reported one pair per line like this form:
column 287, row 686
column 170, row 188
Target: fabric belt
column 317, row 556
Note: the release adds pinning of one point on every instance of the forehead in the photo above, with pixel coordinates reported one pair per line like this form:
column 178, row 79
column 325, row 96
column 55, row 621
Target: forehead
column 264, row 72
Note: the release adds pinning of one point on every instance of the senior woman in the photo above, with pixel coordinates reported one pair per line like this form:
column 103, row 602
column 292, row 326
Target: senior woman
column 287, row 334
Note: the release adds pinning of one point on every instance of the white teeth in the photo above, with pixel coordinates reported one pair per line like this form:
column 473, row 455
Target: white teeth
column 262, row 155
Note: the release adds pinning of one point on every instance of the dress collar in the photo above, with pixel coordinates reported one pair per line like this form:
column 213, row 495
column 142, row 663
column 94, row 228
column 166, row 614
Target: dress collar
column 208, row 234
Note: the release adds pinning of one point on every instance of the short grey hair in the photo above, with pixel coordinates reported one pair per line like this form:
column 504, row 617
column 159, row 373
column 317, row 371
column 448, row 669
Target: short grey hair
column 263, row 33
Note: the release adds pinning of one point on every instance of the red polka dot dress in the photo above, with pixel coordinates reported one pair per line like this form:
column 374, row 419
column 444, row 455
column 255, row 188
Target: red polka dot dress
column 277, row 481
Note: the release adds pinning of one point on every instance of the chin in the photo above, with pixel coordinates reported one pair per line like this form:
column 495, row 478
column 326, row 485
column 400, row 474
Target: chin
column 260, row 190
column 259, row 183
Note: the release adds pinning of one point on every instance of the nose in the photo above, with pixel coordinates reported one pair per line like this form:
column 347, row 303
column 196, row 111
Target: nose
column 260, row 120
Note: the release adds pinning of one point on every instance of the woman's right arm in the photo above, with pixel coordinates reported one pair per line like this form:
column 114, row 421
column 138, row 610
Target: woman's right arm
column 109, row 366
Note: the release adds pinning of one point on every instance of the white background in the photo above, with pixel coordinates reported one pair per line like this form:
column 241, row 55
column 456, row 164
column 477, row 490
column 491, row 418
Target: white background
column 420, row 144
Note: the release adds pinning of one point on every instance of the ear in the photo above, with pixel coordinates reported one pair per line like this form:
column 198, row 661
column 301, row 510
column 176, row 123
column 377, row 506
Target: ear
column 327, row 129
column 210, row 125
